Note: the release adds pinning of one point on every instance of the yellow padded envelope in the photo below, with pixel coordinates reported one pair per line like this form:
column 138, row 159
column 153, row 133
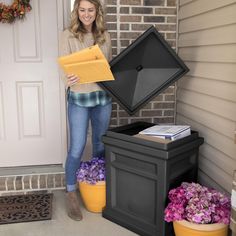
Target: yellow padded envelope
column 89, row 64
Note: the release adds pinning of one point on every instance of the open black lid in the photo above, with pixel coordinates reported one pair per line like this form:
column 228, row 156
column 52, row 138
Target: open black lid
column 143, row 70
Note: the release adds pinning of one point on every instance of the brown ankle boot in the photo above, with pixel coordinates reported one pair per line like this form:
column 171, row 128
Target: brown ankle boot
column 73, row 209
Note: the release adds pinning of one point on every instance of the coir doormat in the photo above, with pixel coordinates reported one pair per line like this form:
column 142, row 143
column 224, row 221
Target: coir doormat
column 25, row 208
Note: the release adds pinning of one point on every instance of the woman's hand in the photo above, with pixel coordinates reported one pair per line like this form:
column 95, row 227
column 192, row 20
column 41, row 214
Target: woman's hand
column 71, row 80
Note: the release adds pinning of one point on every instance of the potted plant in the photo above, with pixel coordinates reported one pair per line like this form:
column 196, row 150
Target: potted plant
column 91, row 180
column 198, row 211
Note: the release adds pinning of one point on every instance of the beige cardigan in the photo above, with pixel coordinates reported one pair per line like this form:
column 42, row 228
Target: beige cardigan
column 69, row 44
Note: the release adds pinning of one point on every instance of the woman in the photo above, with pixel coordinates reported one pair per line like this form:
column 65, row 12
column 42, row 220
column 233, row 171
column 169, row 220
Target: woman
column 85, row 101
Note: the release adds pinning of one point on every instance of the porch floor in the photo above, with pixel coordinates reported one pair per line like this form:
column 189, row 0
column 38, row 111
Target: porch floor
column 93, row 224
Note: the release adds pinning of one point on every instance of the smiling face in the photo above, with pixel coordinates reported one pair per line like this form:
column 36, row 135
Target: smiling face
column 87, row 14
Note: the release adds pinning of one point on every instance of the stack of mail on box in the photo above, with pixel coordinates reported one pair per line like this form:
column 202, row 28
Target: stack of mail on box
column 171, row 132
column 89, row 64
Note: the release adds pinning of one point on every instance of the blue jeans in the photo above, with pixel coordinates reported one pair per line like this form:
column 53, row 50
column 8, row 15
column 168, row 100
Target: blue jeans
column 78, row 118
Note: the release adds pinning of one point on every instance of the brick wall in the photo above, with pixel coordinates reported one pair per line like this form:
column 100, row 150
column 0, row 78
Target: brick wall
column 29, row 183
column 126, row 20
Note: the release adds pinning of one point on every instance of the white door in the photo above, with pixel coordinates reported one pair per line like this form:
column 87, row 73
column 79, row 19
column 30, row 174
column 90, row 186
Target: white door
column 32, row 108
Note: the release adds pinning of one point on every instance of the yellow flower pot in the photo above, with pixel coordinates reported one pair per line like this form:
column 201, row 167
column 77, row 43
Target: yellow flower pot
column 93, row 196
column 185, row 228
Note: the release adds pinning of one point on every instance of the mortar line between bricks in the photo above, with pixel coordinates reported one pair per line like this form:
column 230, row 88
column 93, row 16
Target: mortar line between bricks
column 44, row 173
column 31, row 190
column 14, row 182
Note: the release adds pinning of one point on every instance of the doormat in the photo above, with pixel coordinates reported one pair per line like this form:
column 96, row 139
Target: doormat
column 25, row 208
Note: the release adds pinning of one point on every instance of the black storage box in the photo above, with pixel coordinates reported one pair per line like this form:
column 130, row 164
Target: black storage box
column 143, row 70
column 140, row 173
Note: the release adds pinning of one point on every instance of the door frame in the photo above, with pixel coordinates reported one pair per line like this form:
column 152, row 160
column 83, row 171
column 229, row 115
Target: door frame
column 63, row 15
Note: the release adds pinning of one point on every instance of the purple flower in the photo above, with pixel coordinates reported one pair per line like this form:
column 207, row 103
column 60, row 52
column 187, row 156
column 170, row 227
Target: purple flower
column 91, row 171
column 174, row 211
column 197, row 204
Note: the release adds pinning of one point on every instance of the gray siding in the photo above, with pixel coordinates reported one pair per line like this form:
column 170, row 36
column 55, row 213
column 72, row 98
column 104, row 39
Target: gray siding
column 206, row 96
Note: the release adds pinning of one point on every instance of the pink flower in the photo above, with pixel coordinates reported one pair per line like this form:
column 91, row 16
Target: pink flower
column 197, row 204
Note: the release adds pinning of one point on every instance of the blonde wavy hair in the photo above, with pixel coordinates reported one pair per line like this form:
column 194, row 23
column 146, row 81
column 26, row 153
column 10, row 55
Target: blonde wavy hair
column 98, row 28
